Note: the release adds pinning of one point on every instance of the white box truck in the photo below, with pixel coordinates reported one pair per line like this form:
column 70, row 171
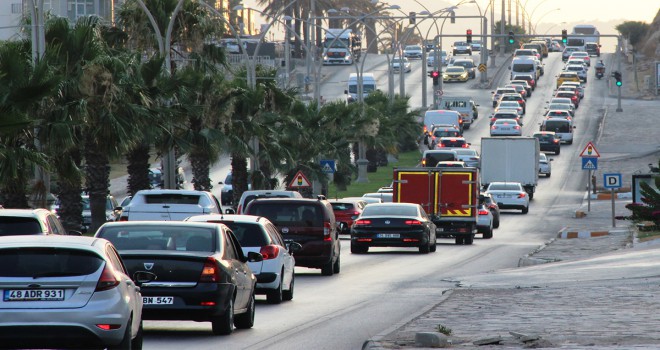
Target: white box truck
column 510, row 159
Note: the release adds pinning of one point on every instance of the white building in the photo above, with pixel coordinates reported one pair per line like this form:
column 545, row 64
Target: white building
column 12, row 11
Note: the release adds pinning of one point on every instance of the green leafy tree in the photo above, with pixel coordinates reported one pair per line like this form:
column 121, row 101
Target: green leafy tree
column 634, row 31
column 649, row 208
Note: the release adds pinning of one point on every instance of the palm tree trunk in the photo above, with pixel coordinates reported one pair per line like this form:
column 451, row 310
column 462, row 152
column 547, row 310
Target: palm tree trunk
column 97, row 176
column 240, row 176
column 138, row 168
column 15, row 193
column 69, row 188
column 200, row 166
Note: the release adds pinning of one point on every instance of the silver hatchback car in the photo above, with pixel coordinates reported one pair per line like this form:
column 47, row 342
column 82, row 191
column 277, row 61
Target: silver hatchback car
column 67, row 291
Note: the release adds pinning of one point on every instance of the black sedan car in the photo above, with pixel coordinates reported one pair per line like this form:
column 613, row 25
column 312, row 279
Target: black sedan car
column 201, row 271
column 393, row 225
column 548, row 141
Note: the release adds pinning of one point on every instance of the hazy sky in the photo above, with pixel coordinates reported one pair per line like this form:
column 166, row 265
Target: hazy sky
column 548, row 16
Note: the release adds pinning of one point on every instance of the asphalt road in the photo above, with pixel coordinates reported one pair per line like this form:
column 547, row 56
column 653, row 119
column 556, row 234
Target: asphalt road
column 376, row 290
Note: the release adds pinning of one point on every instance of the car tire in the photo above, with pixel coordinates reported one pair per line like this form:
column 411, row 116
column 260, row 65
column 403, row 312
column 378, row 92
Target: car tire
column 336, row 267
column 459, row 240
column 425, row 249
column 433, row 247
column 496, row 223
column 328, row 269
column 287, row 295
column 274, row 296
column 488, row 234
column 468, row 240
column 224, row 324
column 548, row 174
column 557, row 152
column 358, row 249
column 525, row 210
column 246, row 320
column 136, row 343
column 127, row 341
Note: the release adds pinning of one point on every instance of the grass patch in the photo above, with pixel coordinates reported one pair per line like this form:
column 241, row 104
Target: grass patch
column 382, row 177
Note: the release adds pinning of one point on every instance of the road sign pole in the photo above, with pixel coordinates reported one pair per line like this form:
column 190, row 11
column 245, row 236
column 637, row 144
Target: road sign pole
column 613, row 218
column 589, row 192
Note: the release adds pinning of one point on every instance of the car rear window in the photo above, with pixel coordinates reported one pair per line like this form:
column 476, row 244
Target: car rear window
column 504, row 187
column 434, row 158
column 250, row 198
column 505, row 116
column 171, row 198
column 47, row 262
column 249, row 234
column 288, row 214
column 19, row 226
column 453, row 143
column 387, row 210
column 557, row 126
column 342, row 206
column 166, row 237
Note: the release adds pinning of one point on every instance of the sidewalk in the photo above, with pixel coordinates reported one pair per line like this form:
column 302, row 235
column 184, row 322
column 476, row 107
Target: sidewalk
column 520, row 308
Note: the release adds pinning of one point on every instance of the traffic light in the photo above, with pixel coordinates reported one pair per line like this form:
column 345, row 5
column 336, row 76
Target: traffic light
column 435, row 75
column 564, row 36
column 412, row 17
column 468, row 35
column 617, row 77
column 512, row 38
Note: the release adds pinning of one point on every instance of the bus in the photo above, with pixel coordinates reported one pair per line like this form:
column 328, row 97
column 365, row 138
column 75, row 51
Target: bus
column 588, row 32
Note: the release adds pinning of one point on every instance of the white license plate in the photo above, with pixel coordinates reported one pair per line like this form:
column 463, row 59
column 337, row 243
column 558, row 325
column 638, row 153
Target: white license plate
column 388, row 235
column 503, row 196
column 34, row 295
column 157, row 300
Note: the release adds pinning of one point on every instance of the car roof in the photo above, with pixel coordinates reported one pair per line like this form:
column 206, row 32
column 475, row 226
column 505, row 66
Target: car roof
column 226, row 217
column 26, row 213
column 157, row 223
column 505, row 120
column 75, row 242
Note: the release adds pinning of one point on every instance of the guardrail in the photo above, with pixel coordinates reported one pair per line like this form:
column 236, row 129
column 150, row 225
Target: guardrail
column 235, row 59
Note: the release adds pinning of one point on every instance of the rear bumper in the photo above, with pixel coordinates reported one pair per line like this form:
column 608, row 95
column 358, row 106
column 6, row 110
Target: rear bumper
column 455, row 228
column 187, row 302
column 405, row 239
column 51, row 336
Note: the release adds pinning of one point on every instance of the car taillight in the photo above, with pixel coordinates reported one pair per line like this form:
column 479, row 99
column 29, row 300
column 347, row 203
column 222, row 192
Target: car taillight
column 413, row 222
column 108, row 280
column 269, row 251
column 555, row 141
column 483, row 212
column 425, row 129
column 210, row 272
column 355, row 212
column 327, row 229
column 362, row 222
column 493, row 127
column 522, row 195
column 108, row 326
column 465, row 145
column 441, row 145
column 517, row 127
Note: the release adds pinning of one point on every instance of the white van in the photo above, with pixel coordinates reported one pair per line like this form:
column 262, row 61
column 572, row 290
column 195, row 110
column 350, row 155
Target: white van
column 169, row 205
column 441, row 116
column 368, row 86
column 524, row 65
column 561, row 127
column 461, row 104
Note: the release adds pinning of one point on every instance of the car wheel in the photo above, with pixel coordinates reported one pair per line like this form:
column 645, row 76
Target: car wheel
column 246, row 320
column 224, row 324
column 496, row 222
column 274, row 296
column 525, row 210
column 425, row 248
column 459, row 240
column 557, row 152
column 136, row 344
column 126, row 342
column 288, row 294
column 336, row 267
column 468, row 240
column 328, row 269
column 488, row 234
column 433, row 247
column 358, row 249
column 548, row 174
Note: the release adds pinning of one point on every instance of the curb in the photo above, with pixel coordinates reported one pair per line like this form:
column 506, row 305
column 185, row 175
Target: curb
column 567, row 233
column 617, row 195
column 373, row 343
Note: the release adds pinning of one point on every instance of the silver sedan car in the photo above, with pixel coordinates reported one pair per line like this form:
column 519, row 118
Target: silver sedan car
column 67, row 291
column 509, row 195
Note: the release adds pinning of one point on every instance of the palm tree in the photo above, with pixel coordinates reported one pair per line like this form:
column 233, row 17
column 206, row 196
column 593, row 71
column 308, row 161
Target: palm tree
column 23, row 87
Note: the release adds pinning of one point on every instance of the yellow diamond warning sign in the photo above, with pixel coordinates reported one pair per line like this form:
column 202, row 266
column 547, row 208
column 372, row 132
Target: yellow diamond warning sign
column 299, row 181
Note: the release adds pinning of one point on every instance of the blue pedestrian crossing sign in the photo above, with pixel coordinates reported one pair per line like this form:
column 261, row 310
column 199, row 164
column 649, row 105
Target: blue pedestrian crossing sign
column 589, row 163
column 328, row 166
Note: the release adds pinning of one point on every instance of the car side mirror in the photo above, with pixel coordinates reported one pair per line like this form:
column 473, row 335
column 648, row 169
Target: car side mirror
column 118, row 209
column 293, row 247
column 220, row 183
column 254, row 257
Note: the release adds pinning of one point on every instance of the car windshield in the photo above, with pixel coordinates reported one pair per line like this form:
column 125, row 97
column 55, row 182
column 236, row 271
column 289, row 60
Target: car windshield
column 455, row 70
column 460, row 43
column 389, row 210
column 466, row 64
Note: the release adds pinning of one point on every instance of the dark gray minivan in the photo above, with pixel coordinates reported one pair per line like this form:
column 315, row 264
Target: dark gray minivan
column 309, row 222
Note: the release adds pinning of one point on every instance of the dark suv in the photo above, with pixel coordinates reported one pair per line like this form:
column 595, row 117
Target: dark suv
column 548, row 141
column 592, row 48
column 310, row 222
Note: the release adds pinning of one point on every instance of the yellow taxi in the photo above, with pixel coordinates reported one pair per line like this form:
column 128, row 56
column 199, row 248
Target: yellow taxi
column 544, row 47
column 567, row 76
